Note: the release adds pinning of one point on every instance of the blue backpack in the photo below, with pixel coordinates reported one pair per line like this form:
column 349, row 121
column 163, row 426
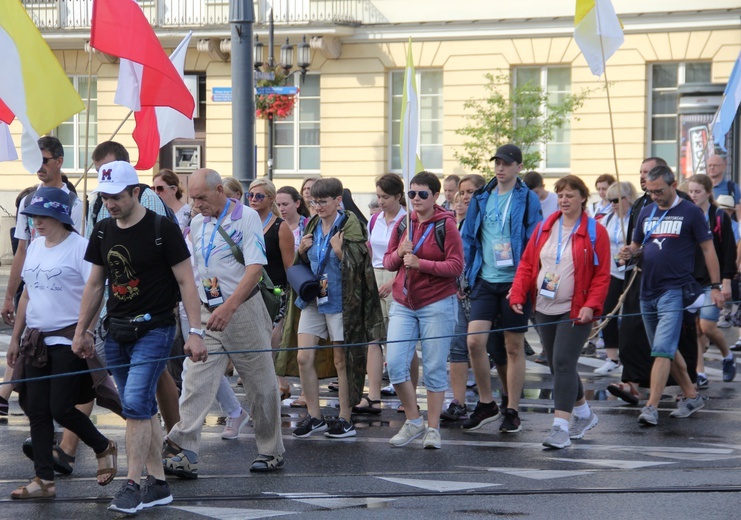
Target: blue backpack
column 591, row 229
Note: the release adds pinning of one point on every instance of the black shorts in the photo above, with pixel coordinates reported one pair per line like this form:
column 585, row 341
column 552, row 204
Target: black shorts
column 489, row 301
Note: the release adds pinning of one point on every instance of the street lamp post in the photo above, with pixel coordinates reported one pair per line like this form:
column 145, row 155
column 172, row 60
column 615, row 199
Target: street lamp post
column 286, row 63
column 241, row 18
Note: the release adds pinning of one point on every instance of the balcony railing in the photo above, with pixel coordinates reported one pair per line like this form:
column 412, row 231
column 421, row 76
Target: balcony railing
column 62, row 15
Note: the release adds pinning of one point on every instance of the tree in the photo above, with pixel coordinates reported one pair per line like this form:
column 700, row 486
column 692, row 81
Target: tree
column 525, row 117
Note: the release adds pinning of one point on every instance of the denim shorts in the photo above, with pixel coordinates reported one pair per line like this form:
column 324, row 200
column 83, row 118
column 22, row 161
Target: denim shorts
column 433, row 326
column 137, row 384
column 489, row 300
column 662, row 318
column 709, row 311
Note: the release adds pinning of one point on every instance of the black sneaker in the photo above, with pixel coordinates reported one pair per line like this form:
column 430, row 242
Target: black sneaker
column 455, row 412
column 528, row 349
column 511, row 422
column 128, row 500
column 340, row 429
column 154, row 493
column 4, row 406
column 308, row 426
column 483, row 414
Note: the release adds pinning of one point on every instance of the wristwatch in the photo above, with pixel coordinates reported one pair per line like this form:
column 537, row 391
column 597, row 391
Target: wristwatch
column 197, row 332
column 716, row 286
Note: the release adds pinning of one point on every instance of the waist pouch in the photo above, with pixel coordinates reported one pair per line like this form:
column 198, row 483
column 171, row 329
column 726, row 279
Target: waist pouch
column 691, row 294
column 127, row 330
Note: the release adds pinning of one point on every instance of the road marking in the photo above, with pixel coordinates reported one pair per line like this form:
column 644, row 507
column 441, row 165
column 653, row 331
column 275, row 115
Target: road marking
column 439, row 485
column 619, row 464
column 232, row 513
column 536, row 474
column 333, row 502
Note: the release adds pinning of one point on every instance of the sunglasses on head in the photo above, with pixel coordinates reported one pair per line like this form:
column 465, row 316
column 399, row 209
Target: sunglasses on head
column 259, row 197
column 422, row 194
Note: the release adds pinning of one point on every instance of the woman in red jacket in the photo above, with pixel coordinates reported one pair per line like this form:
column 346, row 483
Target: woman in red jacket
column 428, row 257
column 566, row 266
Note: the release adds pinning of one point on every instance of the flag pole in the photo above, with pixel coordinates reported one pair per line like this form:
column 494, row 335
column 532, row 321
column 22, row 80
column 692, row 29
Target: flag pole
column 87, row 129
column 87, row 168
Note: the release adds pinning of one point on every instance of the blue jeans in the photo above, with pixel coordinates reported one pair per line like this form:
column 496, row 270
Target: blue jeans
column 137, row 384
column 662, row 318
column 406, row 326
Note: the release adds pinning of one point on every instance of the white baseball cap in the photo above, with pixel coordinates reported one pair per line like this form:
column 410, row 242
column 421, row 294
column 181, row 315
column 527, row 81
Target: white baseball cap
column 114, row 177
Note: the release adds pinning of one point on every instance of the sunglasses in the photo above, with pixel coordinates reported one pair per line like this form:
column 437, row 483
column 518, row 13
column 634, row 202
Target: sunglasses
column 422, row 194
column 615, row 201
column 259, row 197
column 160, row 189
column 47, row 159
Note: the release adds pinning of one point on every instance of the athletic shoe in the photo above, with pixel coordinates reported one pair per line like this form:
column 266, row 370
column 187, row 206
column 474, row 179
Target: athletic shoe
column 608, row 368
column 183, row 465
column 511, row 421
column 702, row 381
column 483, row 414
column 649, row 416
column 528, row 349
column 4, row 406
column 431, row 440
column 687, row 406
column 409, row 431
column 340, row 429
column 600, row 343
column 308, row 426
column 155, row 494
column 589, row 350
column 737, row 346
column 455, row 412
column 558, row 438
column 234, row 425
column 724, row 322
column 267, row 463
column 128, row 500
column 581, row 425
column 729, row 370
column 388, row 390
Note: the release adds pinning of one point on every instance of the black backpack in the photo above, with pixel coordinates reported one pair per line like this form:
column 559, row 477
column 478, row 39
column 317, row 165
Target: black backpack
column 98, row 204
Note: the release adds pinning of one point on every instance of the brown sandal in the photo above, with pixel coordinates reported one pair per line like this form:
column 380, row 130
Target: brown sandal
column 111, row 469
column 300, row 402
column 44, row 491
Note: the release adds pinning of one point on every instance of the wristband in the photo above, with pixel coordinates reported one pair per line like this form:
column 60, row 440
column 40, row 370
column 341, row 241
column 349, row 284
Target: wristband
column 90, row 332
column 716, row 286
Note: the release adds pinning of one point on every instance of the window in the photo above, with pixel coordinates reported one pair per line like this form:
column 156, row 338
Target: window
column 665, row 79
column 72, row 132
column 297, row 136
column 430, row 89
column 556, row 81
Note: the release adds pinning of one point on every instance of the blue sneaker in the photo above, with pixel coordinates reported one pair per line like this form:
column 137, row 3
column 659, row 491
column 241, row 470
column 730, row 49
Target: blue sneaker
column 729, row 370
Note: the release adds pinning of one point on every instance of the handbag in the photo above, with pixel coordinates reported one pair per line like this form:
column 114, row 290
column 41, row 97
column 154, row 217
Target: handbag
column 271, row 295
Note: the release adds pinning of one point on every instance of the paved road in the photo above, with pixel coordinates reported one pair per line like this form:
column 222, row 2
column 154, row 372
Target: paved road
column 682, row 469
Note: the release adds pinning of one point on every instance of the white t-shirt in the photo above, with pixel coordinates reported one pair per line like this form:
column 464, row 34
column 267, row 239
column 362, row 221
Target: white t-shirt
column 549, row 205
column 381, row 235
column 244, row 227
column 24, row 229
column 55, row 278
column 561, row 275
column 616, row 233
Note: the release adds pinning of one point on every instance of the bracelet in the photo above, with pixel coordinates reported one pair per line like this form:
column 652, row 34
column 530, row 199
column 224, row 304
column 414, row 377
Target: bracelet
column 90, row 332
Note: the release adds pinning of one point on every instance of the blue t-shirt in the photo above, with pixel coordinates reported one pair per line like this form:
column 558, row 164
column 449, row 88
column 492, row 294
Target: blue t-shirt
column 669, row 251
column 496, row 232
column 727, row 187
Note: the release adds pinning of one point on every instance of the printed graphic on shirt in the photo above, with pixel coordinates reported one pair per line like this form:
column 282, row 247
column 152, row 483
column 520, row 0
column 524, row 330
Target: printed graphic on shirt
column 124, row 281
column 43, row 279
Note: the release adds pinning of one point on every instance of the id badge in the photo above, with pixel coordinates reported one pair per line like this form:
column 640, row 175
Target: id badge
column 620, row 266
column 503, row 254
column 323, row 290
column 214, row 298
column 550, row 285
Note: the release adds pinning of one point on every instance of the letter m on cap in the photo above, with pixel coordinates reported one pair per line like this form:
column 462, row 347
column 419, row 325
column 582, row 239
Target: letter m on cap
column 105, row 175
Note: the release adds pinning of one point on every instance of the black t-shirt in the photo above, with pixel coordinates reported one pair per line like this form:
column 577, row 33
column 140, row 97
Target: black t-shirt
column 140, row 277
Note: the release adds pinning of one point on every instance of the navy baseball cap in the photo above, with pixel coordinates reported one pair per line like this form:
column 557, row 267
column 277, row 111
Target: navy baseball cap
column 509, row 153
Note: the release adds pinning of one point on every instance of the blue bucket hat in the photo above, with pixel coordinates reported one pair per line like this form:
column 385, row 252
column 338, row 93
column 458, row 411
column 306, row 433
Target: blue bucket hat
column 50, row 202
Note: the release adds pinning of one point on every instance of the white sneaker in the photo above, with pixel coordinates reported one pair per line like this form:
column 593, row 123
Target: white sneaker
column 432, row 439
column 600, row 343
column 608, row 368
column 409, row 431
column 234, row 424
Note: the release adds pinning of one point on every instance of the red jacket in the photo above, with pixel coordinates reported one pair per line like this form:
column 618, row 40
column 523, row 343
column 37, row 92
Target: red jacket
column 590, row 281
column 438, row 270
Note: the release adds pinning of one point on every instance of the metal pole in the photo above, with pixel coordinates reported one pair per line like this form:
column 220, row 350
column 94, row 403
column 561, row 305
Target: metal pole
column 241, row 19
column 271, row 123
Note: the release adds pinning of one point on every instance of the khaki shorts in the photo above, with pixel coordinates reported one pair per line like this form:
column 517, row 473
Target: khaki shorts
column 383, row 276
column 321, row 325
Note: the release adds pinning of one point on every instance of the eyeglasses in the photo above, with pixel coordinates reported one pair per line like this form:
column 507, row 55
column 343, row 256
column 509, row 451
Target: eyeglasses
column 259, row 197
column 47, row 159
column 160, row 189
column 319, row 202
column 656, row 192
column 422, row 194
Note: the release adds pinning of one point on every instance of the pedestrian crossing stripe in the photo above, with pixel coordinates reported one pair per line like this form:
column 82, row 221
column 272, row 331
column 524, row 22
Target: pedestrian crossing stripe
column 333, row 502
column 232, row 513
column 535, row 474
column 617, row 464
column 439, row 485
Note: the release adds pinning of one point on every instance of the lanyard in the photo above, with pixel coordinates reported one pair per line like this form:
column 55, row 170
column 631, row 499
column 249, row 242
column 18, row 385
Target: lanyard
column 502, row 217
column 422, row 239
column 267, row 219
column 650, row 231
column 560, row 238
column 207, row 252
column 323, row 241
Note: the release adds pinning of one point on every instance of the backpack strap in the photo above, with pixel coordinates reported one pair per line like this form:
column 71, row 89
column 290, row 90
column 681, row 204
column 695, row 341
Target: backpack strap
column 372, row 222
column 440, row 234
column 236, row 252
column 157, row 229
column 592, row 230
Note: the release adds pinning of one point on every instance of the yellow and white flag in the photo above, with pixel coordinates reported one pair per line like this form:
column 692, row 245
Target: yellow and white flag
column 597, row 32
column 409, row 131
column 33, row 84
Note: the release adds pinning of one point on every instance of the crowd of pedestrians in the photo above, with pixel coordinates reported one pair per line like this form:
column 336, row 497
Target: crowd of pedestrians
column 422, row 285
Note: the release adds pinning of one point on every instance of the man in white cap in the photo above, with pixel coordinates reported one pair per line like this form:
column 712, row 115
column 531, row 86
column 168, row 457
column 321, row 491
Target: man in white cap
column 146, row 262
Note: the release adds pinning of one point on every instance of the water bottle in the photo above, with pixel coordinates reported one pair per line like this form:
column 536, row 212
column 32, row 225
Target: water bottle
column 141, row 318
